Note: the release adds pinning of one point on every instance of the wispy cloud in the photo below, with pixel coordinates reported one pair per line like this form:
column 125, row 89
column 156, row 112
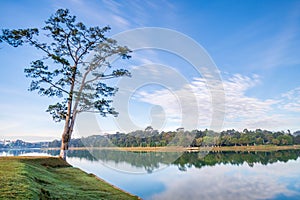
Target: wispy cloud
column 291, row 100
column 120, row 16
column 101, row 14
column 251, row 48
column 241, row 111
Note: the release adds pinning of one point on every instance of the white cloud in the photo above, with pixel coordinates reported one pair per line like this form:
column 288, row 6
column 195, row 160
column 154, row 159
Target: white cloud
column 120, row 21
column 112, row 5
column 238, row 104
column 291, row 100
column 241, row 110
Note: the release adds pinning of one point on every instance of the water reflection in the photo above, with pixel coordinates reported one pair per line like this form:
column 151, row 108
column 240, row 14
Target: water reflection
column 150, row 161
column 234, row 182
column 216, row 175
column 130, row 162
column 27, row 152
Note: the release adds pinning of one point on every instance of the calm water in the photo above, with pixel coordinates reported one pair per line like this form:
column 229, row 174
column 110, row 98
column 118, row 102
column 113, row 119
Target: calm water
column 206, row 175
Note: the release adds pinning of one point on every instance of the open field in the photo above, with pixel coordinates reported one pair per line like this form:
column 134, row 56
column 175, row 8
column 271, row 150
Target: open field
column 51, row 178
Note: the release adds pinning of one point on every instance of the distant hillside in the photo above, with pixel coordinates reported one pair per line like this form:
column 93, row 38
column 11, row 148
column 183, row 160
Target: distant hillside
column 20, row 144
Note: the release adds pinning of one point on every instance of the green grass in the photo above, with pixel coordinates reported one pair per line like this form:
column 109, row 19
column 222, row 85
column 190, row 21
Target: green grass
column 51, row 178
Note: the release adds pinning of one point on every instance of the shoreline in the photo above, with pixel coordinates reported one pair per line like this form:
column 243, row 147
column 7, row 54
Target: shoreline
column 188, row 149
column 49, row 177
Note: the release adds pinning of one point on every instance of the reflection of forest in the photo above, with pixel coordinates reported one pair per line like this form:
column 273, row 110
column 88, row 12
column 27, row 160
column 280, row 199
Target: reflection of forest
column 153, row 160
column 235, row 158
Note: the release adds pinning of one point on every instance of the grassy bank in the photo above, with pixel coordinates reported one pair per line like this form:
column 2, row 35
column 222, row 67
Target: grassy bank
column 51, row 178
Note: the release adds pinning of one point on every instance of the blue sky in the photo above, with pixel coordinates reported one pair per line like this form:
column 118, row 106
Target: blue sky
column 254, row 44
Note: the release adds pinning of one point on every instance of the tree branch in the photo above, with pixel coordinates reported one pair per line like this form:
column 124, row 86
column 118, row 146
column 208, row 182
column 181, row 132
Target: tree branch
column 53, row 85
column 37, row 45
column 69, row 48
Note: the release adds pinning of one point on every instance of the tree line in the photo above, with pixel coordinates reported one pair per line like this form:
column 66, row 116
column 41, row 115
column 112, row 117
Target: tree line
column 196, row 138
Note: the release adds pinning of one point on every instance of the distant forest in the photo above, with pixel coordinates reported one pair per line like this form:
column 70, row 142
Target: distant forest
column 196, row 138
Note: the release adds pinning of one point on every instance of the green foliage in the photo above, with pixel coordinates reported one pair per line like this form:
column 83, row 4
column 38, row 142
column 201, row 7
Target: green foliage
column 297, row 139
column 285, row 139
column 64, row 71
column 195, row 138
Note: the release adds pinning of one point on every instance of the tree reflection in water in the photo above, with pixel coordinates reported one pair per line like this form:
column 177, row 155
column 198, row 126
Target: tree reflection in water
column 151, row 161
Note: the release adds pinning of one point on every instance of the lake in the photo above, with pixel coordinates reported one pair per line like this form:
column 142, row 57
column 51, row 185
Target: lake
column 194, row 175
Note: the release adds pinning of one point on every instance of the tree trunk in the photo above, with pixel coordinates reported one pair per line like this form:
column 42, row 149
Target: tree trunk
column 65, row 144
column 69, row 123
column 64, row 150
column 66, row 137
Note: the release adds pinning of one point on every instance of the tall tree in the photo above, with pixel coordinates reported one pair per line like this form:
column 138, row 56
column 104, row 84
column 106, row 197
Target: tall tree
column 78, row 82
